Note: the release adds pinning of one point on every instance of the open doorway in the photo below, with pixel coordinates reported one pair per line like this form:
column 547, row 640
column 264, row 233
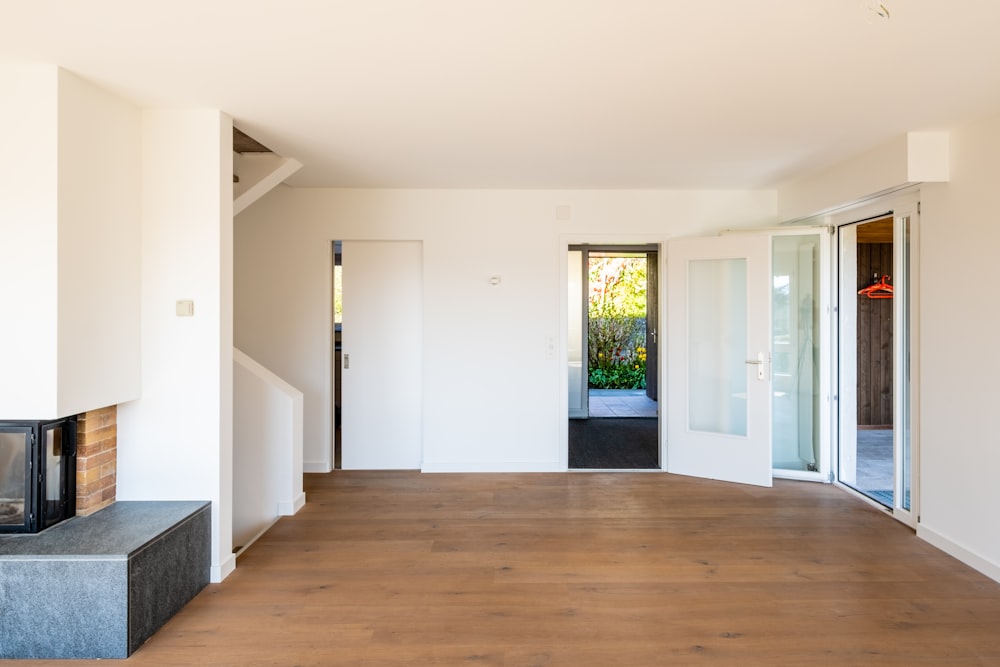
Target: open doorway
column 874, row 364
column 613, row 344
column 338, row 324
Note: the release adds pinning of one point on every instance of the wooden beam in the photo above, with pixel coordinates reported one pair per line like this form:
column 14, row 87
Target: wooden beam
column 244, row 143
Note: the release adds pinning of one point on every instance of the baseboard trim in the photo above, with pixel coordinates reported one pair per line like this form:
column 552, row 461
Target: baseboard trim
column 219, row 572
column 260, row 533
column 288, row 509
column 316, row 466
column 500, row 466
column 970, row 558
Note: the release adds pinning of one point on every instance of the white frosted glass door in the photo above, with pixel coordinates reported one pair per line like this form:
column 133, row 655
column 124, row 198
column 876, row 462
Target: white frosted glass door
column 718, row 358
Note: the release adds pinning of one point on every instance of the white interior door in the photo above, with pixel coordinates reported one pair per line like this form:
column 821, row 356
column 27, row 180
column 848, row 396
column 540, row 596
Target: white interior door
column 381, row 368
column 718, row 358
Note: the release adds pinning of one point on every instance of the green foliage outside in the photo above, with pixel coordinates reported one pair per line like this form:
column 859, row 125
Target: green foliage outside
column 338, row 294
column 617, row 329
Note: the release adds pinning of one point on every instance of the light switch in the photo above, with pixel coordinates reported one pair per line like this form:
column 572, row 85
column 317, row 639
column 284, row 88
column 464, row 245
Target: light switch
column 185, row 308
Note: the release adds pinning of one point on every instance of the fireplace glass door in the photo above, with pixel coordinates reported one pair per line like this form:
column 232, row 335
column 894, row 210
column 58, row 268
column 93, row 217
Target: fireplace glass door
column 55, row 495
column 15, row 469
column 37, row 474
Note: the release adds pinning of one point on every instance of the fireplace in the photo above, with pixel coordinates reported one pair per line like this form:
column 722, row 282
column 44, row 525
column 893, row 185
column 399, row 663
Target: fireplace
column 37, row 474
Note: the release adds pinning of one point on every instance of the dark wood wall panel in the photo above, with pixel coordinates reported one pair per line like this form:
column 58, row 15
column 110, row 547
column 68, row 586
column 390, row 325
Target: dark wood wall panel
column 874, row 338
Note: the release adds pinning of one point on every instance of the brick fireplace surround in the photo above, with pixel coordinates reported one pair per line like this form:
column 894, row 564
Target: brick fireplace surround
column 96, row 459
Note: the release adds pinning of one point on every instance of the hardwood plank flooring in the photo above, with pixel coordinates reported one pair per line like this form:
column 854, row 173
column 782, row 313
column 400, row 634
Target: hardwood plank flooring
column 399, row 568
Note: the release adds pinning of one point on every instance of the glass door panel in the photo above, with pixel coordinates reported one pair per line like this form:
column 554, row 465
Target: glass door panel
column 55, row 491
column 717, row 346
column 903, row 430
column 14, row 448
column 796, row 315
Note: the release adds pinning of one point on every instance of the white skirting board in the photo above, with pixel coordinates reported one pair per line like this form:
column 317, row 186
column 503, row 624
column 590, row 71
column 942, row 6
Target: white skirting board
column 970, row 558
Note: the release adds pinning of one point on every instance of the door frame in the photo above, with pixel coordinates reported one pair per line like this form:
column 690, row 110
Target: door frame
column 902, row 203
column 602, row 242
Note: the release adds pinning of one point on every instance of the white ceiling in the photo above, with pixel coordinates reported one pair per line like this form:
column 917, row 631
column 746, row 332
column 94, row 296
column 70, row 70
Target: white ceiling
column 537, row 93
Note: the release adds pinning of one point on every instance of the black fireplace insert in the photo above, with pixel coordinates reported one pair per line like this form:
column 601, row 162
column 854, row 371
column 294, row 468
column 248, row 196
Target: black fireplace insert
column 37, row 474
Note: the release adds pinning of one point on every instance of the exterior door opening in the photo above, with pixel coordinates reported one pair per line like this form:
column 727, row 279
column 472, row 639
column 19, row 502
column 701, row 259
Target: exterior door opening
column 874, row 360
column 613, row 340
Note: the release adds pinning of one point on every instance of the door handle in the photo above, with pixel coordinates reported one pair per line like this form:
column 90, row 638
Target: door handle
column 653, row 334
column 759, row 363
column 347, row 361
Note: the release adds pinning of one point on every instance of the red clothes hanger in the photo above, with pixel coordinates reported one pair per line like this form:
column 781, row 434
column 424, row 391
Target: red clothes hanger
column 880, row 290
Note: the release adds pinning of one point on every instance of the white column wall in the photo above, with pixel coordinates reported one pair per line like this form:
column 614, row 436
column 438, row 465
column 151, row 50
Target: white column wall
column 175, row 442
column 100, row 158
column 492, row 395
column 69, row 226
column 29, row 241
column 959, row 364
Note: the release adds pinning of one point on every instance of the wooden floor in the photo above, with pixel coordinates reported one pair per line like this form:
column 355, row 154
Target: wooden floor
column 399, row 568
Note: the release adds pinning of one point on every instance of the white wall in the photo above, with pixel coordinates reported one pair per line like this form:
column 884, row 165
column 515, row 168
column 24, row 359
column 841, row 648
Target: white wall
column 917, row 157
column 29, row 241
column 100, row 157
column 492, row 397
column 69, row 223
column 959, row 364
column 175, row 442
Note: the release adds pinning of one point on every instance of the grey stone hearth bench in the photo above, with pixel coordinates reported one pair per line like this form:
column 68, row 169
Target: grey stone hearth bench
column 101, row 585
